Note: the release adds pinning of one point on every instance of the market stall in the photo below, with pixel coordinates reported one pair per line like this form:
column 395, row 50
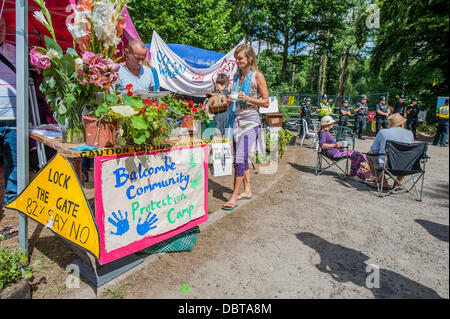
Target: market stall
column 149, row 184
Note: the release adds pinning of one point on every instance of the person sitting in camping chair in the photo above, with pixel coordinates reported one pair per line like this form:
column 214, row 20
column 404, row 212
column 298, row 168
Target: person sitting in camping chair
column 334, row 150
column 397, row 133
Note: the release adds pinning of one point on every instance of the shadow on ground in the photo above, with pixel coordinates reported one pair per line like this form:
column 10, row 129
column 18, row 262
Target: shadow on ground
column 348, row 265
column 437, row 230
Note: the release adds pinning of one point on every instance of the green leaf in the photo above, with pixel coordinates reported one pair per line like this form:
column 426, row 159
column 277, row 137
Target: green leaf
column 139, row 139
column 139, row 122
column 112, row 99
column 52, row 44
column 68, row 64
column 51, row 82
column 72, row 52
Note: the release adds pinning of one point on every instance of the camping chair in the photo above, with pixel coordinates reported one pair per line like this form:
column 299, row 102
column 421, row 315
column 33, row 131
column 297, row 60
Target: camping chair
column 402, row 160
column 344, row 134
column 333, row 163
column 313, row 134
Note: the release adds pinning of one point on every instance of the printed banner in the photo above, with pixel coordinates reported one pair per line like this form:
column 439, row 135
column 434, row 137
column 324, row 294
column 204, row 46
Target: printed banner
column 143, row 199
column 422, row 116
column 54, row 198
column 177, row 76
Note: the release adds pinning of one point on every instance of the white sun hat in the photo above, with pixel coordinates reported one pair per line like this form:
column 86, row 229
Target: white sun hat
column 327, row 120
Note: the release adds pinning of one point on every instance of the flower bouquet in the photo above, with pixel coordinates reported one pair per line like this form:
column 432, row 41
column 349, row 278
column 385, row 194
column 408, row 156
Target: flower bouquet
column 73, row 82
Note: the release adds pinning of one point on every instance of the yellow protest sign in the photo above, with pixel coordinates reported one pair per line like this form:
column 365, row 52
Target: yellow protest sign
column 55, row 199
column 291, row 100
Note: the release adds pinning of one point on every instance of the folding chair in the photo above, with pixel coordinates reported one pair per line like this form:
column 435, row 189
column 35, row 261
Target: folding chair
column 344, row 134
column 309, row 133
column 402, row 160
column 333, row 163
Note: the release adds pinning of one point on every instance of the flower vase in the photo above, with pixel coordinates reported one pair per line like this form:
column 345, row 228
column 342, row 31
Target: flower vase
column 72, row 133
column 100, row 133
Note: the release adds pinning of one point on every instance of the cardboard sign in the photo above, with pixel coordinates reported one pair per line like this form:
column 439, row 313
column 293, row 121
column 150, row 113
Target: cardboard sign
column 143, row 199
column 54, row 198
column 273, row 106
column 222, row 159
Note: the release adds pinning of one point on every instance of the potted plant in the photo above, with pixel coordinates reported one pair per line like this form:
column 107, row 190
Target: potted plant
column 186, row 111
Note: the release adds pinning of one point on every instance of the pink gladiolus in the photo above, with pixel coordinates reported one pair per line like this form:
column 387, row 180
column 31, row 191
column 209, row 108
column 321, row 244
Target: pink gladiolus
column 38, row 60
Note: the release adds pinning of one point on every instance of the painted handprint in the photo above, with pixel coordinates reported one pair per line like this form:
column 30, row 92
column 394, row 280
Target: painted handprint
column 147, row 225
column 121, row 223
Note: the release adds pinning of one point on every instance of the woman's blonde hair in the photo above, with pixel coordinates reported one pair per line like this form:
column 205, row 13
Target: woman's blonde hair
column 249, row 54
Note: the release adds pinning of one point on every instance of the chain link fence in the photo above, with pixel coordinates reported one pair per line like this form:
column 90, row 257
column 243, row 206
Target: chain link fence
column 290, row 103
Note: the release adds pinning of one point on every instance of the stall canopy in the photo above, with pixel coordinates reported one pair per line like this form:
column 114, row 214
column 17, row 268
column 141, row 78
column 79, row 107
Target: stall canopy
column 61, row 12
column 195, row 57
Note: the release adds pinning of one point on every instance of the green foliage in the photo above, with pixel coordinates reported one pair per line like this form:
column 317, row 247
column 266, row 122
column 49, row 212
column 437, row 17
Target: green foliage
column 200, row 23
column 11, row 267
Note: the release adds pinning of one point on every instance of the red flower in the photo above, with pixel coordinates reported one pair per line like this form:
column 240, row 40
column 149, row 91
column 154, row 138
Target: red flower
column 191, row 103
column 194, row 110
column 147, row 102
column 155, row 104
column 142, row 111
column 164, row 106
column 185, row 101
column 107, row 86
column 129, row 87
column 129, row 93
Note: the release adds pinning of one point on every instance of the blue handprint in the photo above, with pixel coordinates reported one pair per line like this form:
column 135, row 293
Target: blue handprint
column 147, row 225
column 120, row 222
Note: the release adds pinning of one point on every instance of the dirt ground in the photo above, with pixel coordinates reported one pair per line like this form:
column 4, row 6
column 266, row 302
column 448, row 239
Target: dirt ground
column 301, row 236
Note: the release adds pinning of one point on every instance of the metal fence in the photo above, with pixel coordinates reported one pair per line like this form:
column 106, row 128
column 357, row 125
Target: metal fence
column 290, row 103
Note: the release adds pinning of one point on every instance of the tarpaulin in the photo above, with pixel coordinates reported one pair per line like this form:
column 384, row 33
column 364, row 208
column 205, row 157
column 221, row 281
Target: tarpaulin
column 195, row 57
column 177, row 75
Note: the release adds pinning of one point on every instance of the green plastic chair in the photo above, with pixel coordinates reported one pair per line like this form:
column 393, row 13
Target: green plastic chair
column 344, row 134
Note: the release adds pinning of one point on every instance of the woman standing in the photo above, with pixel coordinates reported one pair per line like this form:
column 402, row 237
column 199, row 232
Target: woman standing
column 243, row 122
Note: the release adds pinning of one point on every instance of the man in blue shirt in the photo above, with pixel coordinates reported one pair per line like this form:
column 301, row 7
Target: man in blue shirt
column 396, row 132
column 133, row 71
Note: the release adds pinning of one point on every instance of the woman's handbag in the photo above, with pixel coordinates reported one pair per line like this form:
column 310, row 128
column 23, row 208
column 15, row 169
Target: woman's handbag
column 216, row 102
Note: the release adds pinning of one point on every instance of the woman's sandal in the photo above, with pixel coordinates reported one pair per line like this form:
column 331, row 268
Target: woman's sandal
column 229, row 208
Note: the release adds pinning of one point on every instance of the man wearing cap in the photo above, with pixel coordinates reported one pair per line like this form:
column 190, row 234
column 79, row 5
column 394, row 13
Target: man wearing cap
column 396, row 132
column 305, row 114
column 400, row 106
column 361, row 111
column 412, row 115
column 382, row 114
column 344, row 113
column 324, row 108
column 442, row 129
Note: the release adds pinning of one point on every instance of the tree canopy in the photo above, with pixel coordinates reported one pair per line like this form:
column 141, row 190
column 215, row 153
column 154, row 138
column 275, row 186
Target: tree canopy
column 318, row 46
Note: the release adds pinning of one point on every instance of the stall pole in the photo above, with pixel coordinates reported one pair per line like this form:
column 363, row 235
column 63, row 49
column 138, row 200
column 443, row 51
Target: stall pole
column 22, row 112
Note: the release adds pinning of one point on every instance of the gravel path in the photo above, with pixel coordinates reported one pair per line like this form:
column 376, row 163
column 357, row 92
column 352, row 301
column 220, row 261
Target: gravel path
column 313, row 236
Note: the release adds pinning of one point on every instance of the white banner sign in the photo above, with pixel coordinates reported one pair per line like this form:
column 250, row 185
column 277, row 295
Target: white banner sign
column 177, row 76
column 144, row 199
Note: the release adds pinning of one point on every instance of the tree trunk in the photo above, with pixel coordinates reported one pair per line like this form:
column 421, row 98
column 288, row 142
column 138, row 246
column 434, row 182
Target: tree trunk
column 259, row 50
column 285, row 57
column 312, row 74
column 351, row 78
column 343, row 70
column 319, row 77
column 324, row 73
column 293, row 68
